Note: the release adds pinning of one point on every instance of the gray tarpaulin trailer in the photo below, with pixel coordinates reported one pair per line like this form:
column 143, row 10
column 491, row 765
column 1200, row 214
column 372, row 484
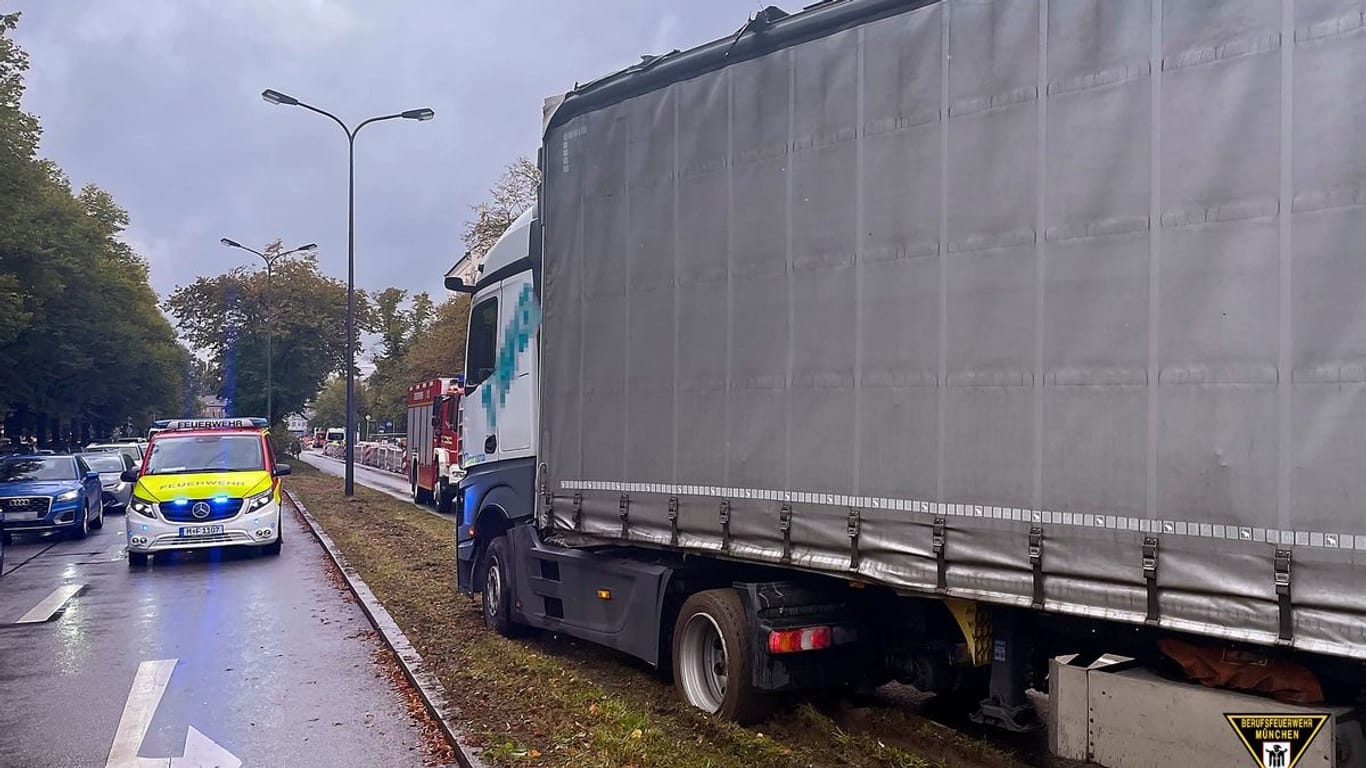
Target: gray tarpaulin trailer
column 1052, row 304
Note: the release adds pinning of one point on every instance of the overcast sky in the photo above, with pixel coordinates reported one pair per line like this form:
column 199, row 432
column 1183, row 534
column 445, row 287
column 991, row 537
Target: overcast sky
column 158, row 101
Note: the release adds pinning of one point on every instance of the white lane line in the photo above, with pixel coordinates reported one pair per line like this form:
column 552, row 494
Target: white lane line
column 149, row 685
column 50, row 604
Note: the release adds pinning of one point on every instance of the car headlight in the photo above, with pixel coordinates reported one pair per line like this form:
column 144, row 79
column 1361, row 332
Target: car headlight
column 69, row 495
column 258, row 501
column 143, row 507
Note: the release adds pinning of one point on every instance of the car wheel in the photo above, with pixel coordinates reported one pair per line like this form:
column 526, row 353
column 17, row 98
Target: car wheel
column 99, row 519
column 497, row 593
column 137, row 558
column 6, row 539
column 83, row 529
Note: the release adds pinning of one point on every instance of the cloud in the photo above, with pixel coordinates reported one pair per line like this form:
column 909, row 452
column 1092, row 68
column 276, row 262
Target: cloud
column 158, row 101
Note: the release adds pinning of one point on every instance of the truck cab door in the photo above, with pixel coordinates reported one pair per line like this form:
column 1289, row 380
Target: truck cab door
column 478, row 426
column 516, row 398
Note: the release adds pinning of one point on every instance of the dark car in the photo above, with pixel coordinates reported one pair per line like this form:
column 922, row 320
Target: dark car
column 49, row 493
column 111, row 465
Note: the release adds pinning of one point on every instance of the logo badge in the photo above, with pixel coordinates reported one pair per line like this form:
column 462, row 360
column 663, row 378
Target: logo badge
column 201, row 510
column 1277, row 741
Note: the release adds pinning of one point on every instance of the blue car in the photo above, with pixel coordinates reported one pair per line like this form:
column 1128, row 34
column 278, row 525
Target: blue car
column 49, row 493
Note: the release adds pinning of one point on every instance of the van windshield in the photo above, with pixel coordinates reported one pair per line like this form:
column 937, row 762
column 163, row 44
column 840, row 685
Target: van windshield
column 206, row 453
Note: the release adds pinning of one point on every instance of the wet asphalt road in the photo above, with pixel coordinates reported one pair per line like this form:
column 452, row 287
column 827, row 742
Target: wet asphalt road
column 271, row 660
column 379, row 480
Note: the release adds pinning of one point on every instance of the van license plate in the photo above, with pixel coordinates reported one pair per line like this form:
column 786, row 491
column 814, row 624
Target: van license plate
column 201, row 530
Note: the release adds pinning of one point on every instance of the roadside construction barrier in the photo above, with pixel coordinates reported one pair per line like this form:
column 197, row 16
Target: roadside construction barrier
column 385, row 456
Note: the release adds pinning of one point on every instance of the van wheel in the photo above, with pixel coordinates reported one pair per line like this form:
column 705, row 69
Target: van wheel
column 137, row 558
column 711, row 663
column 497, row 593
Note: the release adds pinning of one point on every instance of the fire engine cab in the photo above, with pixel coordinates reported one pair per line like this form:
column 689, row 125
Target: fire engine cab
column 434, row 442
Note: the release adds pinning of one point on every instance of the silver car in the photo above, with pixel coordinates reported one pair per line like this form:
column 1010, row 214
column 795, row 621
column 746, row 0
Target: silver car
column 111, row 466
column 133, row 451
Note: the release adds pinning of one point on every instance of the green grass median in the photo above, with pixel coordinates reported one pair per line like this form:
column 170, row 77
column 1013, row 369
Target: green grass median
column 554, row 701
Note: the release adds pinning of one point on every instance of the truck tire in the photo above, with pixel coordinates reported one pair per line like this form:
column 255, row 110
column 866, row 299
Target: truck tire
column 421, row 496
column 445, row 495
column 711, row 663
column 496, row 599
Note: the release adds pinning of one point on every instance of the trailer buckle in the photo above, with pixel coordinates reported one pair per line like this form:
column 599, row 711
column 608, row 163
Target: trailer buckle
column 852, row 528
column 624, row 512
column 1150, row 544
column 938, row 535
column 724, row 515
column 578, row 510
column 673, row 520
column 1036, row 562
column 1281, row 576
column 785, row 528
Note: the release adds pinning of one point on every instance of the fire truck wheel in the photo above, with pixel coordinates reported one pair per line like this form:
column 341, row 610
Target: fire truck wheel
column 445, row 495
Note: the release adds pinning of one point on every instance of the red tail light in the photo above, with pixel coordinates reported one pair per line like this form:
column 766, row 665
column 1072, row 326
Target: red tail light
column 798, row 640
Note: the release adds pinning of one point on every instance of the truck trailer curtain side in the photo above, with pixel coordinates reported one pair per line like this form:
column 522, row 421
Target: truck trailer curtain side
column 1052, row 304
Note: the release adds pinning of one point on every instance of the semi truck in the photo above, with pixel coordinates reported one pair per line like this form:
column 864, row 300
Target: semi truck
column 932, row 342
column 434, row 471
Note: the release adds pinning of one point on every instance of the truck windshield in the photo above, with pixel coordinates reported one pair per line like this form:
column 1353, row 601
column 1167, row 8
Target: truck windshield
column 28, row 469
column 483, row 343
column 206, row 453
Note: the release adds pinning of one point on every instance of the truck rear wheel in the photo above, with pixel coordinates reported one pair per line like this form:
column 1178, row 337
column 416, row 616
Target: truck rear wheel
column 711, row 661
column 421, row 495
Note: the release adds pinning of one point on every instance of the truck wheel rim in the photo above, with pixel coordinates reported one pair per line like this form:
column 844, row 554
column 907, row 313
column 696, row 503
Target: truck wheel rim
column 493, row 588
column 702, row 663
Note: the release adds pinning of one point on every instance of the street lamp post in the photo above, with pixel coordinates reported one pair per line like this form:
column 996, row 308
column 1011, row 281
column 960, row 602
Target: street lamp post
column 367, row 427
column 270, row 325
column 425, row 113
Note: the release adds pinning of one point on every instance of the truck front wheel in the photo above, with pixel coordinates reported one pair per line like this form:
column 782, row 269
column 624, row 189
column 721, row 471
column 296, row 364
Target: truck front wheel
column 497, row 594
column 711, row 664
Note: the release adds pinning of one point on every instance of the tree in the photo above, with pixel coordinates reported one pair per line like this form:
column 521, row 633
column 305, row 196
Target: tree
column 514, row 192
column 229, row 315
column 329, row 408
column 440, row 351
column 80, row 332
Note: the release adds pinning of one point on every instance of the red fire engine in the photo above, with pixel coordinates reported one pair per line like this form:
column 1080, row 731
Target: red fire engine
column 434, row 442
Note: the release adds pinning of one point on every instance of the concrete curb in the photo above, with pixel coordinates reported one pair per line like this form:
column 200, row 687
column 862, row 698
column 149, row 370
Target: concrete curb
column 431, row 690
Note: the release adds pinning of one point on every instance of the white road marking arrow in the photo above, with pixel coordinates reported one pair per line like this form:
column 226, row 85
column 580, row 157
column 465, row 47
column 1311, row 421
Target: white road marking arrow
column 50, row 604
column 149, row 685
column 203, row 752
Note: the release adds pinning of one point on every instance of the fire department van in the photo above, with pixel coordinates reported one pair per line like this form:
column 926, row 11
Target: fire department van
column 205, row 483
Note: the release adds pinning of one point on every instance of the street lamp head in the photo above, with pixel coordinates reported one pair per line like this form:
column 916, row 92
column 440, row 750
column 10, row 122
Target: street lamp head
column 309, row 247
column 418, row 114
column 275, row 97
column 229, row 243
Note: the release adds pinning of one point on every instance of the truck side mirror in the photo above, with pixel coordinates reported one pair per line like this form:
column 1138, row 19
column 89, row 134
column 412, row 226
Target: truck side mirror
column 129, row 476
column 457, row 285
column 282, row 469
column 436, row 421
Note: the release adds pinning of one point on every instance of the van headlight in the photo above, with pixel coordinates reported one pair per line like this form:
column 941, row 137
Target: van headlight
column 143, row 507
column 69, row 495
column 258, row 501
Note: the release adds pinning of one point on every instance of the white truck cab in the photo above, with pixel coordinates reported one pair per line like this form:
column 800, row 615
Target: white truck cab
column 498, row 423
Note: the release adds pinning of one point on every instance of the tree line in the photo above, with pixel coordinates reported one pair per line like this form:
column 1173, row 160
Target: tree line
column 83, row 346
